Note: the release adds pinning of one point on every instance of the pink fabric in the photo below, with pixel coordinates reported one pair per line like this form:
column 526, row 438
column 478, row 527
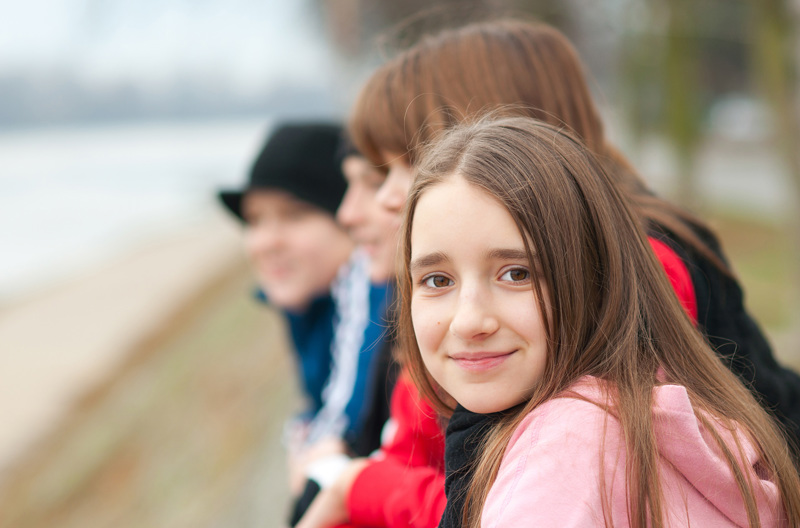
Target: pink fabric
column 552, row 468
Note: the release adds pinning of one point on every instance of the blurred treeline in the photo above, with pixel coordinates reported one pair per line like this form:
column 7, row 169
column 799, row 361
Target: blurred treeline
column 665, row 63
column 683, row 70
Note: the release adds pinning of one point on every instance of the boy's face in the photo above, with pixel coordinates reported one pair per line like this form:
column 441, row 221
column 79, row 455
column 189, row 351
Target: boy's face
column 295, row 248
column 393, row 193
column 372, row 226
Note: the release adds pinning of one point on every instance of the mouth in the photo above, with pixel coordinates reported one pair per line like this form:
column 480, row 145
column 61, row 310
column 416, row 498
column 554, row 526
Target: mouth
column 480, row 361
column 371, row 248
column 276, row 272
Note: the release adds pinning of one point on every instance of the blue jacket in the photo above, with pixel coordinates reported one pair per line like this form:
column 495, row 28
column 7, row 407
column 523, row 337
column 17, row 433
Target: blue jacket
column 342, row 346
column 312, row 334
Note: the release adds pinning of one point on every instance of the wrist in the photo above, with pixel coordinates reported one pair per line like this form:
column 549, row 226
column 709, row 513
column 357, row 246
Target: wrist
column 346, row 479
column 328, row 470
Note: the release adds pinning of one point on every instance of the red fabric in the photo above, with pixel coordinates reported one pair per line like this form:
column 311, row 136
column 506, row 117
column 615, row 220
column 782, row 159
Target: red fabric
column 678, row 276
column 403, row 486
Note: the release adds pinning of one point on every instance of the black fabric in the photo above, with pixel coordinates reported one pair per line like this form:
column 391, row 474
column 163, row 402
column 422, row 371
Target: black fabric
column 303, row 502
column 382, row 381
column 464, row 437
column 735, row 335
column 302, row 159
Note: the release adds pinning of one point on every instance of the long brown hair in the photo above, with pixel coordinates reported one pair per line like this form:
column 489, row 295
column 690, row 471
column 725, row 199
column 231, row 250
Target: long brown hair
column 613, row 316
column 509, row 67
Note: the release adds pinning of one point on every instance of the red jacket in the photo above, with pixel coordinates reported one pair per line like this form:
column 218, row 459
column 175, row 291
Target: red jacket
column 403, row 486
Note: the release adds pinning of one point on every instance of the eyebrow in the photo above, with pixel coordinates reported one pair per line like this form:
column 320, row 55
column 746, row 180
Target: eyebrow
column 508, row 254
column 436, row 258
column 426, row 261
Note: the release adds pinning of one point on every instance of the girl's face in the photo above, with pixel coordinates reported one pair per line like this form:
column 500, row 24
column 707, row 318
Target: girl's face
column 474, row 311
column 393, row 193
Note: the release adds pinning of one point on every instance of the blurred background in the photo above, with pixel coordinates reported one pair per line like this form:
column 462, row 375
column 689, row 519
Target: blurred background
column 140, row 385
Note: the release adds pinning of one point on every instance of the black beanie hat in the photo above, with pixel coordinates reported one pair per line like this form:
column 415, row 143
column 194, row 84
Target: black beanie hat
column 303, row 159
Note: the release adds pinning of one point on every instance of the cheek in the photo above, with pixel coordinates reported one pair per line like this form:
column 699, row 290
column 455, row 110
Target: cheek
column 385, row 223
column 428, row 349
column 392, row 231
column 249, row 243
column 405, row 178
column 522, row 312
column 319, row 240
column 428, row 327
column 265, row 251
column 391, row 241
column 357, row 204
column 311, row 262
column 323, row 265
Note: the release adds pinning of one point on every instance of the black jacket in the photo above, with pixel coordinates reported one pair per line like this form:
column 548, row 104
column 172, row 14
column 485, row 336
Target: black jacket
column 734, row 334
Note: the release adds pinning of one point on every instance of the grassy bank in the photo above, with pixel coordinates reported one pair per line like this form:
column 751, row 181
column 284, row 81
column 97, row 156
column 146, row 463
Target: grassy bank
column 186, row 434
column 763, row 259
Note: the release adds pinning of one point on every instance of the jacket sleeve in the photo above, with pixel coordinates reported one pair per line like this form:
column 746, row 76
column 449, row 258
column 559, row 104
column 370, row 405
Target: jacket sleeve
column 403, row 485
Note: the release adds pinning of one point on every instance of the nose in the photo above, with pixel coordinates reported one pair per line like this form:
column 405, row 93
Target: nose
column 264, row 238
column 350, row 212
column 473, row 318
column 394, row 191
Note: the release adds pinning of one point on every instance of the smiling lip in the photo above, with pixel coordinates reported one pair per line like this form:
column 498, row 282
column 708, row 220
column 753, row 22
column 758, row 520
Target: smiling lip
column 367, row 243
column 480, row 361
column 370, row 248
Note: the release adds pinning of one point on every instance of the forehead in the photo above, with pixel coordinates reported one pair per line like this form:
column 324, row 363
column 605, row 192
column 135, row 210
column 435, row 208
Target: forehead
column 461, row 215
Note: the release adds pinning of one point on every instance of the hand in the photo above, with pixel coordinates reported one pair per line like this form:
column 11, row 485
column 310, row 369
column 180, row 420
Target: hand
column 330, row 506
column 299, row 462
column 325, row 447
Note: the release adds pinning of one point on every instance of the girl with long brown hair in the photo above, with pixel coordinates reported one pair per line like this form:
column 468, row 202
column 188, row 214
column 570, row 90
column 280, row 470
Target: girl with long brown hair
column 531, row 69
column 529, row 291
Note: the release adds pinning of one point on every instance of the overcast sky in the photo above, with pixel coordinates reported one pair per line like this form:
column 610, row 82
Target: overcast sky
column 247, row 42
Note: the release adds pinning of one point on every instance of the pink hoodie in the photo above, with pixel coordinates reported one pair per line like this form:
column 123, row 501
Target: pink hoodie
column 552, row 468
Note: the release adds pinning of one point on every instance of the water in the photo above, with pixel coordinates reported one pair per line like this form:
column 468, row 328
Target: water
column 73, row 197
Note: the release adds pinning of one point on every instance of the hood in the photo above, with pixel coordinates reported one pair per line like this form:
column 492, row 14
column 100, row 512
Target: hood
column 688, row 446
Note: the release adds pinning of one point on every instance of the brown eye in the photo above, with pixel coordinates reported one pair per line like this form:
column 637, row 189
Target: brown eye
column 437, row 281
column 519, row 275
column 441, row 282
column 516, row 275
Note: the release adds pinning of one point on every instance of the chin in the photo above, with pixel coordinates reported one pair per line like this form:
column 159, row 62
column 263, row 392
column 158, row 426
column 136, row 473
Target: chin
column 485, row 405
column 482, row 407
column 379, row 275
column 290, row 302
